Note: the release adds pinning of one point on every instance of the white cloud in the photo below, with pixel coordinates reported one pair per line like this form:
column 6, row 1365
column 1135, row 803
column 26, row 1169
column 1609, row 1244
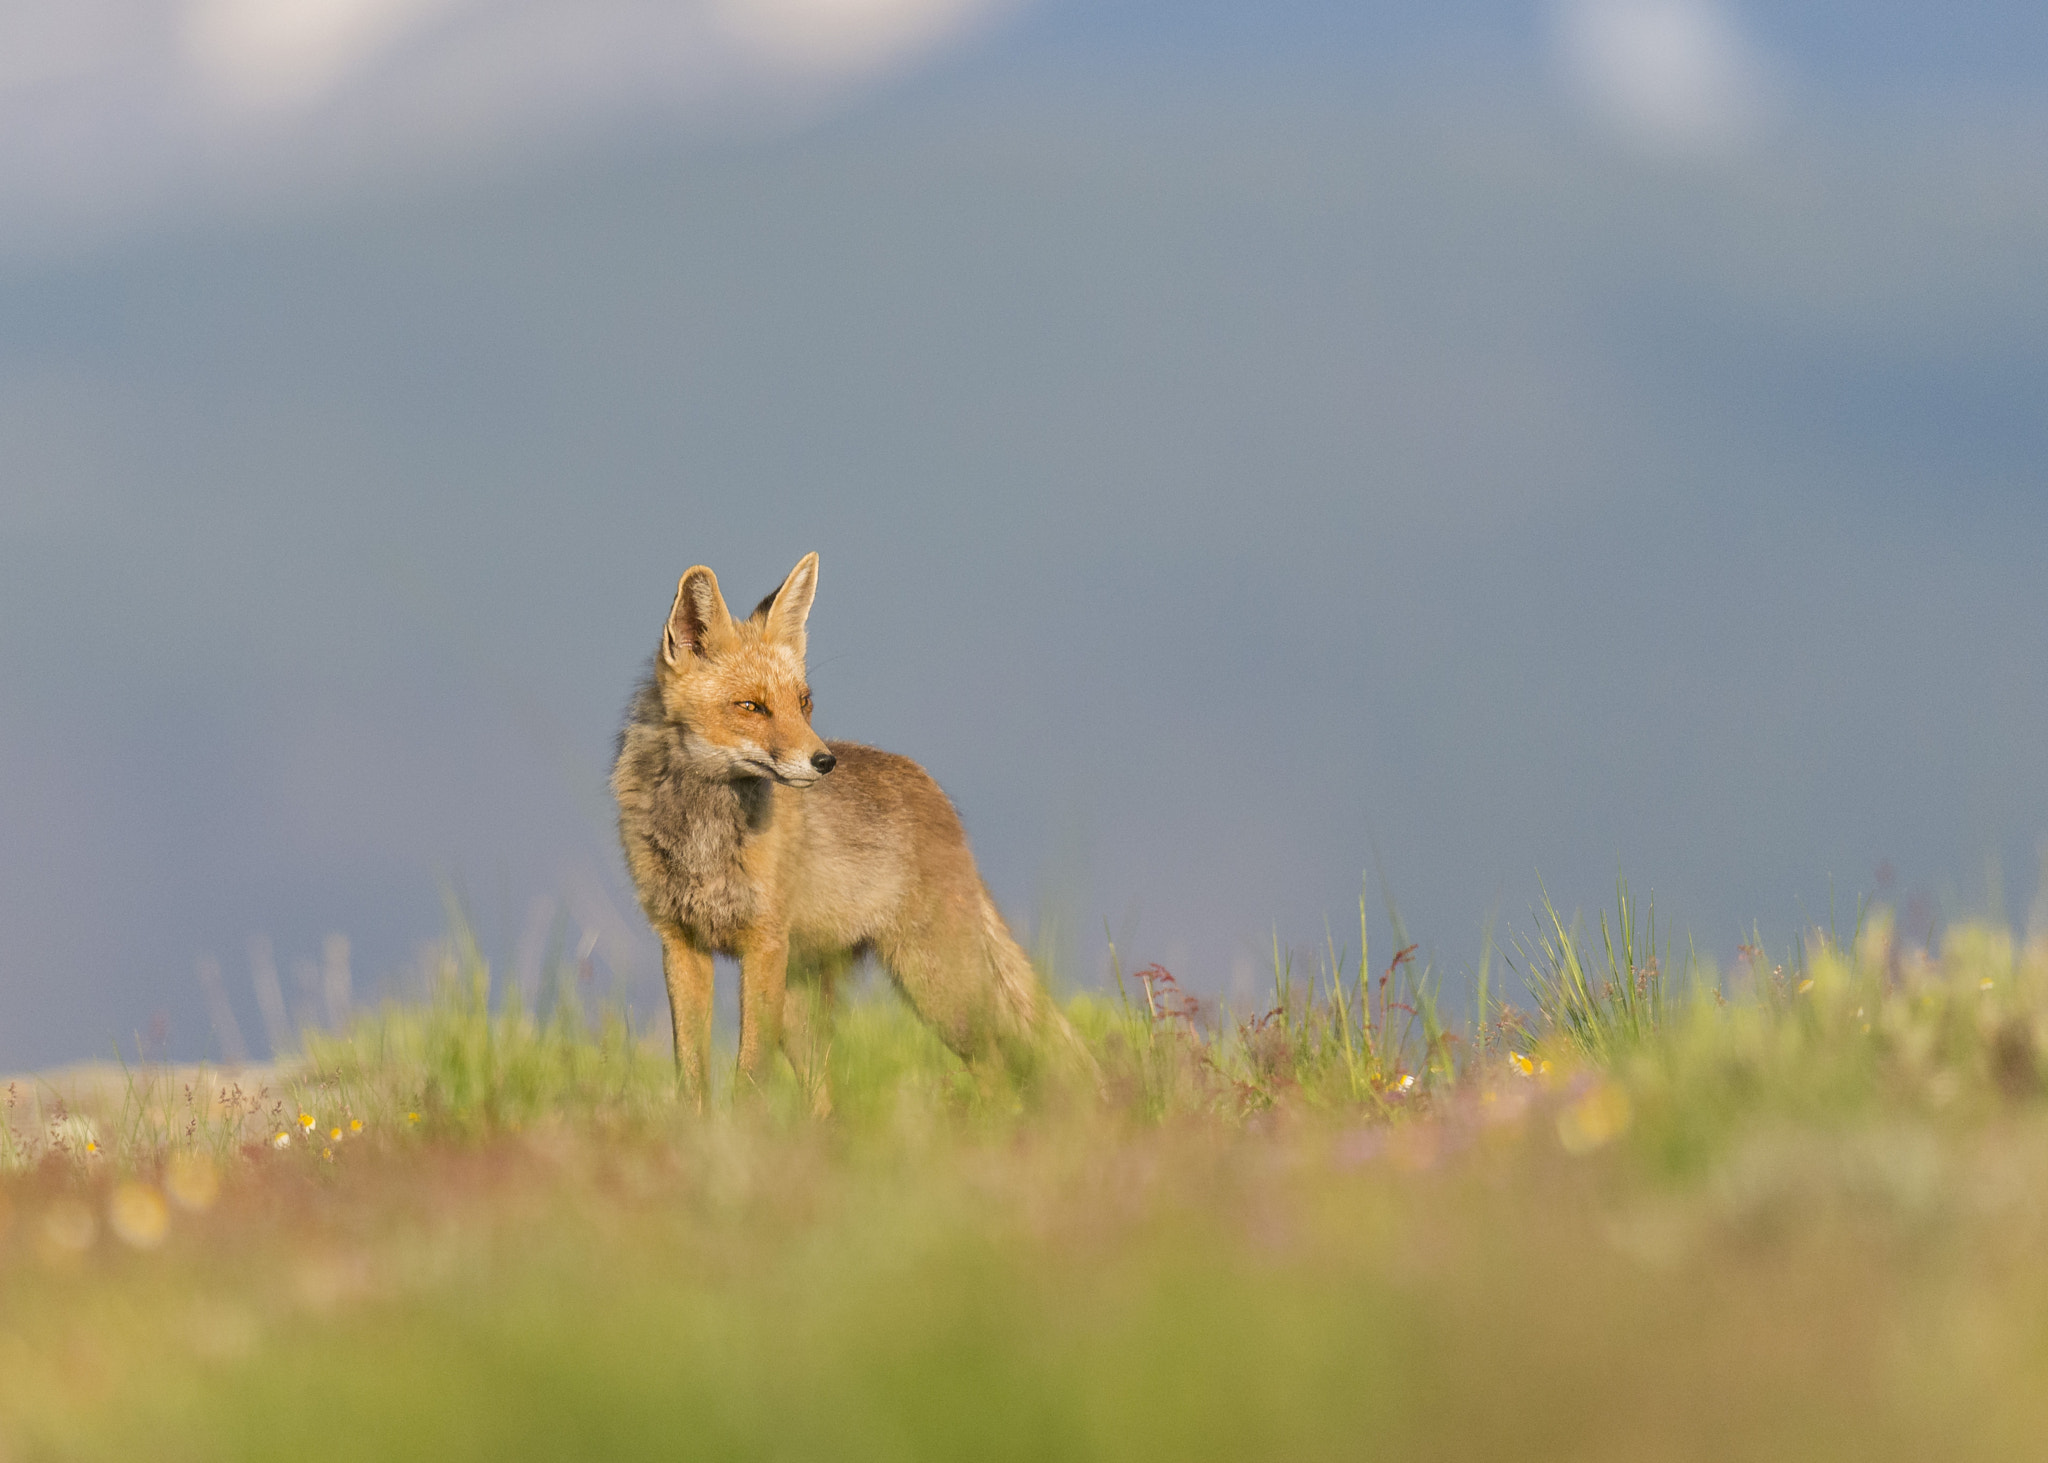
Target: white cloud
column 272, row 54
column 110, row 108
column 1670, row 75
column 836, row 35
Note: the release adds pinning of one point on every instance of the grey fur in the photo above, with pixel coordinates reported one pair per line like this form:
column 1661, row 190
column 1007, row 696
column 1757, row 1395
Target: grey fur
column 694, row 825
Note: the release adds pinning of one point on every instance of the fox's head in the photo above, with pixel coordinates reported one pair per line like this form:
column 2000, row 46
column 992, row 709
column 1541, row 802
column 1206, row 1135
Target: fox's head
column 736, row 688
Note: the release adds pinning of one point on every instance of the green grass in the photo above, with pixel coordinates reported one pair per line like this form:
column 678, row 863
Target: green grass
column 1793, row 1213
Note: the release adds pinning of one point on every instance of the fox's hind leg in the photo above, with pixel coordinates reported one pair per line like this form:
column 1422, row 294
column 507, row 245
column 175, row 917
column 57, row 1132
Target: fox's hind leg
column 940, row 970
column 962, row 971
column 688, row 972
column 764, row 979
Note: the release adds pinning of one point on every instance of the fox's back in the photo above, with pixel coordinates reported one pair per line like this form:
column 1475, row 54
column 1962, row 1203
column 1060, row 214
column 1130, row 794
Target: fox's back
column 877, row 834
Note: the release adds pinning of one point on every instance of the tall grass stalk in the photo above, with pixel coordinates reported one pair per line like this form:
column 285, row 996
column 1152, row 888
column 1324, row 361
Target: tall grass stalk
column 1829, row 1029
column 1599, row 1004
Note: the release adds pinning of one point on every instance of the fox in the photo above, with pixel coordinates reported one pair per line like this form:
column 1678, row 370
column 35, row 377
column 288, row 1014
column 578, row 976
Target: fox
column 748, row 835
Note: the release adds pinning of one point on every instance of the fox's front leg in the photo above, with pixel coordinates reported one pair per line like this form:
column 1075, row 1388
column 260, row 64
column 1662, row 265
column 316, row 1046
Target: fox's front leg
column 807, row 1024
column 688, row 972
column 764, row 977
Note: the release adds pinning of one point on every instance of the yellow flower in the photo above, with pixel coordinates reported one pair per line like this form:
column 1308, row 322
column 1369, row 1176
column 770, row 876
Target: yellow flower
column 1985, row 984
column 1522, row 1064
column 1805, row 986
column 334, row 1135
column 1597, row 1118
column 138, row 1215
column 328, row 1154
column 282, row 1140
column 92, row 1148
column 355, row 1125
column 412, row 1117
column 306, row 1121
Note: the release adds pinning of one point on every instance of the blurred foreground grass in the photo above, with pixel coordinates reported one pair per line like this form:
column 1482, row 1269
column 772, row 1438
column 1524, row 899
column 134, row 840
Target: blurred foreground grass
column 1802, row 1213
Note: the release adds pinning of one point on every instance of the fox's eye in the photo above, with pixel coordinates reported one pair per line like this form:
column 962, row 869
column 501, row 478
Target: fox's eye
column 804, row 701
column 754, row 706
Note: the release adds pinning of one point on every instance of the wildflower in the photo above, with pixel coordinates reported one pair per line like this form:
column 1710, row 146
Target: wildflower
column 328, row 1154
column 74, row 1133
column 282, row 1140
column 1985, row 984
column 334, row 1135
column 1407, row 1081
column 1805, row 985
column 138, row 1216
column 1522, row 1064
column 355, row 1125
column 306, row 1121
column 412, row 1117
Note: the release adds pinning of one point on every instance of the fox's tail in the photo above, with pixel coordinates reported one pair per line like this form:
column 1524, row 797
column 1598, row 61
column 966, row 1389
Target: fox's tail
column 1032, row 1025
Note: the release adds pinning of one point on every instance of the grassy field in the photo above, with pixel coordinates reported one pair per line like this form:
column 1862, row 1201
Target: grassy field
column 1800, row 1212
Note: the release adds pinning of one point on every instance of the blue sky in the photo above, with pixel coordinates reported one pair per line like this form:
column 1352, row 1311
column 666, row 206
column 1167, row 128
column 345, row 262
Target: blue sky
column 1243, row 453
column 1881, row 46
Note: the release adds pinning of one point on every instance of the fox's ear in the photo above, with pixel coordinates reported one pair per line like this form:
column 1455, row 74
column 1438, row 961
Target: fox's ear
column 699, row 615
column 790, row 606
column 761, row 610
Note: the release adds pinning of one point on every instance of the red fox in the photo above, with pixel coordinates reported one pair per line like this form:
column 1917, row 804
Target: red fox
column 746, row 835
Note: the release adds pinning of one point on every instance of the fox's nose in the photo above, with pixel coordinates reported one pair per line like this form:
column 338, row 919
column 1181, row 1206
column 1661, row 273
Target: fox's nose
column 824, row 761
